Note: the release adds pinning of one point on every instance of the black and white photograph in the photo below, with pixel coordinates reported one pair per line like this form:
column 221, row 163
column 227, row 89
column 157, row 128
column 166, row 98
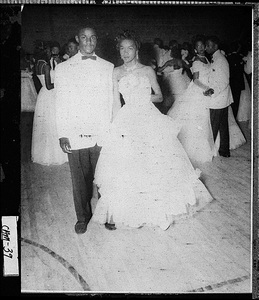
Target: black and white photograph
column 128, row 146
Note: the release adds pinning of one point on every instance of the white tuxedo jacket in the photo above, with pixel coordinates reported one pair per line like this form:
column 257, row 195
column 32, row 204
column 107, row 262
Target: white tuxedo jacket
column 219, row 81
column 84, row 96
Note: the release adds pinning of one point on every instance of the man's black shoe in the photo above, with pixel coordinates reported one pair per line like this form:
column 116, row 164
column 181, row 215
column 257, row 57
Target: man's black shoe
column 80, row 227
column 224, row 154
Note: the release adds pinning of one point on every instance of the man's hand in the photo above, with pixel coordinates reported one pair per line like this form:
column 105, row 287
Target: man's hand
column 65, row 145
column 208, row 92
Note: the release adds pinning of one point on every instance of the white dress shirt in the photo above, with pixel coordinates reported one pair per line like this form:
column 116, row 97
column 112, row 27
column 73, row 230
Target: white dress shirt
column 53, row 63
column 84, row 96
column 219, row 81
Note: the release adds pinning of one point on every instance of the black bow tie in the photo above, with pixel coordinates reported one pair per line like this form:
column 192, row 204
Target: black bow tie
column 91, row 57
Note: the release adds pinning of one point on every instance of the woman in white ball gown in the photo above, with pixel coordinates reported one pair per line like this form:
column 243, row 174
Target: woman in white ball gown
column 143, row 174
column 192, row 112
column 175, row 79
column 45, row 142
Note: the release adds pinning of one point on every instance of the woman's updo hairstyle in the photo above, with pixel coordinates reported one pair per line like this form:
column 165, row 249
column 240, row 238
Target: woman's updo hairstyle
column 127, row 35
column 197, row 39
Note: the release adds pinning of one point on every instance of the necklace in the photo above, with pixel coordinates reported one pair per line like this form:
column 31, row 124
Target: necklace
column 131, row 68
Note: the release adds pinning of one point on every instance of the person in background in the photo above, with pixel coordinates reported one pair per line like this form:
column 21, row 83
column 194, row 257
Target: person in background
column 175, row 80
column 191, row 110
column 28, row 91
column 55, row 55
column 221, row 98
column 187, row 58
column 236, row 74
column 45, row 148
column 248, row 67
column 71, row 49
column 159, row 51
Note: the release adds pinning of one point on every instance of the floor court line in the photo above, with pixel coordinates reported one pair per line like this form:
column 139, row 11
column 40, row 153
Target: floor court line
column 61, row 260
column 220, row 284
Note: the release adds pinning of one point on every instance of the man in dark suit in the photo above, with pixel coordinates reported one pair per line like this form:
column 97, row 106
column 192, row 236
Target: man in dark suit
column 236, row 74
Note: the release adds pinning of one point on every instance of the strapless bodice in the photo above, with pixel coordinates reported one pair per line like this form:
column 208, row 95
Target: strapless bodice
column 203, row 69
column 136, row 90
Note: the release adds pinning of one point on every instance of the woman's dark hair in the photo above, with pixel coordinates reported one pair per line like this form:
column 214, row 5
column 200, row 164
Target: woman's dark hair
column 72, row 40
column 198, row 39
column 214, row 39
column 173, row 43
column 55, row 44
column 127, row 35
column 159, row 42
column 175, row 53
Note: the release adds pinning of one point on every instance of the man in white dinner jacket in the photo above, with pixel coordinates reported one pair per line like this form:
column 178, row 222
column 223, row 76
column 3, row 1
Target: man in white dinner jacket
column 84, row 96
column 222, row 96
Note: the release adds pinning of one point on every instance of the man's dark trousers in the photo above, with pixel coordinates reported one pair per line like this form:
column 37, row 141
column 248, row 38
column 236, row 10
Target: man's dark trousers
column 82, row 164
column 219, row 123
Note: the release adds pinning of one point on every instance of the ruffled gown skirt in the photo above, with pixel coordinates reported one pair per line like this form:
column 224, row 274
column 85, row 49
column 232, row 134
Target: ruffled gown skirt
column 143, row 174
column 236, row 137
column 45, row 142
column 244, row 110
column 192, row 113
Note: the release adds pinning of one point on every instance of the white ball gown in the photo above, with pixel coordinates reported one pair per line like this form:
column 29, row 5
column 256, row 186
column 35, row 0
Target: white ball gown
column 244, row 110
column 236, row 137
column 175, row 83
column 28, row 92
column 143, row 174
column 192, row 112
column 45, row 142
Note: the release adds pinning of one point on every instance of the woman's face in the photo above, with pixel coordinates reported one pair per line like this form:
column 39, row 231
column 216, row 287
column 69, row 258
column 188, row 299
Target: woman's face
column 200, row 47
column 184, row 53
column 128, row 50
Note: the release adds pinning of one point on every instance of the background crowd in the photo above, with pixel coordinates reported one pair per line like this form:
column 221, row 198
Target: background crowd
column 160, row 57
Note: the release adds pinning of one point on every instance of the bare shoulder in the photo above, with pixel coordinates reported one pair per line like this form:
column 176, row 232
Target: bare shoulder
column 149, row 71
column 118, row 72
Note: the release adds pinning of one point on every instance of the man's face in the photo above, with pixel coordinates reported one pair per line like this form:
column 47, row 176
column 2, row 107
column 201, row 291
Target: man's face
column 55, row 51
column 210, row 47
column 87, row 40
column 72, row 49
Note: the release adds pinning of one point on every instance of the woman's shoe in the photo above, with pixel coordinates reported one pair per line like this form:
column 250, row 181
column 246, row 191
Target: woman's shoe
column 110, row 226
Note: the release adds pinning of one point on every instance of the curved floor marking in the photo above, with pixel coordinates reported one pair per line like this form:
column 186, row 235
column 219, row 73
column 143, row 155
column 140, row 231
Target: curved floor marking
column 65, row 264
column 220, row 284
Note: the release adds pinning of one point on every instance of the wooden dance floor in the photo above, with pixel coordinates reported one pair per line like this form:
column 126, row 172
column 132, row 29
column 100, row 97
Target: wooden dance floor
column 208, row 253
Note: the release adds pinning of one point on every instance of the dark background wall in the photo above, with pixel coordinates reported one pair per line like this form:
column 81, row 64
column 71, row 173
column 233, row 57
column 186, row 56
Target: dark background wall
column 60, row 22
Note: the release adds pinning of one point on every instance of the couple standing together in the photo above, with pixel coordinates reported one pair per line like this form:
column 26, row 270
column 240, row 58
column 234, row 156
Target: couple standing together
column 131, row 153
column 203, row 109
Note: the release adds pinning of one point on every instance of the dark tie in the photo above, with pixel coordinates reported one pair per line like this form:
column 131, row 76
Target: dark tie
column 91, row 57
